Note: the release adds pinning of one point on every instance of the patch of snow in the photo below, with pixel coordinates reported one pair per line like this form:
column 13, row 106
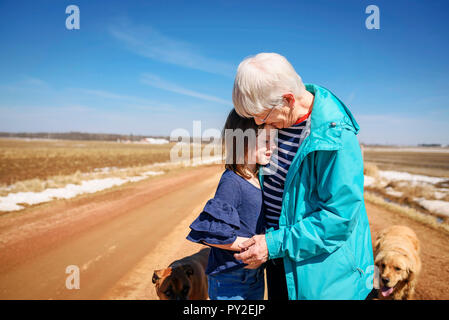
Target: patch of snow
column 105, row 169
column 393, row 192
column 152, row 173
column 414, row 178
column 10, row 206
column 436, row 206
column 369, row 181
column 196, row 162
column 441, row 194
column 12, row 201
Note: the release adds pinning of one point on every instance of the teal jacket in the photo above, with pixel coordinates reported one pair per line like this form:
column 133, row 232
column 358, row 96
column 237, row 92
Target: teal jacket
column 324, row 236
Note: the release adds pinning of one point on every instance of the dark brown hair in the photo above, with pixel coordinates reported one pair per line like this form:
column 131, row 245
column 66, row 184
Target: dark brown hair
column 235, row 122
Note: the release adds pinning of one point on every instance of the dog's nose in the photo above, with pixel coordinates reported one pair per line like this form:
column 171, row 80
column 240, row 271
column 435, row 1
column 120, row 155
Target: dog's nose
column 386, row 280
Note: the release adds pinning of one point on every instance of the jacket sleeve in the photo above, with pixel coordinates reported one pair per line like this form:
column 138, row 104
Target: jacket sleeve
column 219, row 221
column 339, row 181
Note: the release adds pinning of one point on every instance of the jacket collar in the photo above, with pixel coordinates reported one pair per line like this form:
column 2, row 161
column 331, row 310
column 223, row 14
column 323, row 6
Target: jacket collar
column 328, row 109
column 328, row 118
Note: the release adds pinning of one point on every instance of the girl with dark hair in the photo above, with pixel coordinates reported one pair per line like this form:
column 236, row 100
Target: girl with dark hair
column 235, row 213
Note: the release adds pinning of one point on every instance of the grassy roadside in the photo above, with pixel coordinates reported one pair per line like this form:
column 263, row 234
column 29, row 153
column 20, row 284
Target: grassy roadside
column 36, row 165
column 60, row 181
column 106, row 193
column 411, row 213
column 435, row 164
column 22, row 160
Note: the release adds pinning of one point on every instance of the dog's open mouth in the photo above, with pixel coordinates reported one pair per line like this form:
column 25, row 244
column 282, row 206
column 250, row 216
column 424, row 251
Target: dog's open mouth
column 386, row 291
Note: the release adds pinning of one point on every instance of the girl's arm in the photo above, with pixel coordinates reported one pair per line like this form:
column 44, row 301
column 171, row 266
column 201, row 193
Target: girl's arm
column 229, row 246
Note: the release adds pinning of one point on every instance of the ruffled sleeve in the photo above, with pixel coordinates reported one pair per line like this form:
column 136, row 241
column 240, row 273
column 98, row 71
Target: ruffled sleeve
column 217, row 224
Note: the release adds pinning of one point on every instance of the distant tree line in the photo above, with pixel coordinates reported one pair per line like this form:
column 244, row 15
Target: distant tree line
column 73, row 135
column 430, row 145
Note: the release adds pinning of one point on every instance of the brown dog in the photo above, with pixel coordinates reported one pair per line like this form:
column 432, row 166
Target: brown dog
column 397, row 257
column 184, row 279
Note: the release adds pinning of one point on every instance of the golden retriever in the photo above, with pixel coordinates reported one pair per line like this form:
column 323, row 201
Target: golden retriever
column 396, row 255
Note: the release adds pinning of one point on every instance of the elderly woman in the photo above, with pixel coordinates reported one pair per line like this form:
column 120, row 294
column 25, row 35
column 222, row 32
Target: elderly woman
column 317, row 240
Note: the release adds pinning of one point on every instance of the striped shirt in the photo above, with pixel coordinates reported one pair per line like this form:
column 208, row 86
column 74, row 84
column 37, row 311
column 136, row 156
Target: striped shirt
column 275, row 173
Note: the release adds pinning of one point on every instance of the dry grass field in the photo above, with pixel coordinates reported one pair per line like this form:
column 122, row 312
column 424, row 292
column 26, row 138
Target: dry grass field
column 430, row 162
column 37, row 164
column 39, row 159
column 424, row 198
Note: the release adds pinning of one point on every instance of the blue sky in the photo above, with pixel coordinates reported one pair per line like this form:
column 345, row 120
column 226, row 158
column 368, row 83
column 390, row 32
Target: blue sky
column 149, row 67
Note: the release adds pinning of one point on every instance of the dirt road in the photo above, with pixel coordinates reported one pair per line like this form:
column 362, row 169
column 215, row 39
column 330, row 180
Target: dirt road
column 105, row 235
column 118, row 237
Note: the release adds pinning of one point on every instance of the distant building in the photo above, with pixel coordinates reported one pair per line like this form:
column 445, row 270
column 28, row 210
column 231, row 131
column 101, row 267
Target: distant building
column 145, row 141
column 155, row 141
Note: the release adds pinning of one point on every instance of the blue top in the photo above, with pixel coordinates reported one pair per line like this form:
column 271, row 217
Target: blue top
column 235, row 210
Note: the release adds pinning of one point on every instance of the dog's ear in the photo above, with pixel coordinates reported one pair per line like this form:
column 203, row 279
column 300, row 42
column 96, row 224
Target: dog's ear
column 377, row 244
column 412, row 272
column 414, row 267
column 415, row 243
column 376, row 277
column 163, row 273
column 411, row 275
column 188, row 270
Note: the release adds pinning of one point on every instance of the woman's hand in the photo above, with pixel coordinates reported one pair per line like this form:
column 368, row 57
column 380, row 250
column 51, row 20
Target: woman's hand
column 253, row 266
column 254, row 251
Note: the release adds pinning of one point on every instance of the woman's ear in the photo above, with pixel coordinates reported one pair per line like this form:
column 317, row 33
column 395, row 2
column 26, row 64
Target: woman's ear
column 290, row 99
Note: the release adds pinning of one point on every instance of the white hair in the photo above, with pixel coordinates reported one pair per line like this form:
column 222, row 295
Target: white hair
column 261, row 81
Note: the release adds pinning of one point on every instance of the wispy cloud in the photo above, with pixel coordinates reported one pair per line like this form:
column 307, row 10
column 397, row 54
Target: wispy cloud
column 35, row 82
column 150, row 43
column 135, row 102
column 27, row 82
column 34, row 92
column 157, row 82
